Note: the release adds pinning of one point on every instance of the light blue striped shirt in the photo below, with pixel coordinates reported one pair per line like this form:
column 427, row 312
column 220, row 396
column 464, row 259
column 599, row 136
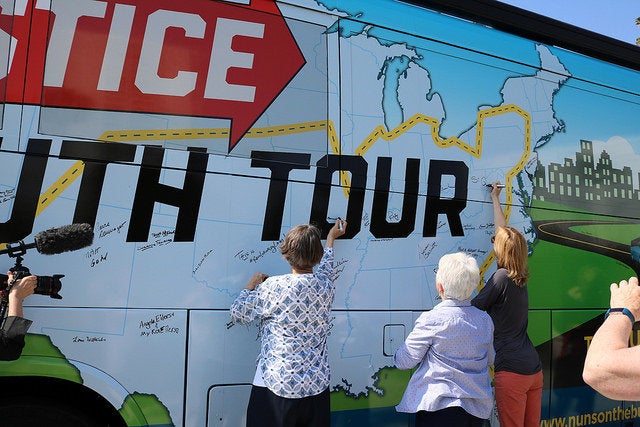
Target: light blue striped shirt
column 453, row 346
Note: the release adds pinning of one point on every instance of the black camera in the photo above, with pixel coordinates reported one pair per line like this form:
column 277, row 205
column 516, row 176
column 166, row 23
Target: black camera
column 46, row 285
column 53, row 241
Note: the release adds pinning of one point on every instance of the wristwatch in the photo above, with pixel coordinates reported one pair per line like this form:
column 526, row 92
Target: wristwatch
column 624, row 311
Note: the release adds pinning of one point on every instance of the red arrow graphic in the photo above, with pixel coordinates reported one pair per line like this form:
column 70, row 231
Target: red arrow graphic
column 198, row 58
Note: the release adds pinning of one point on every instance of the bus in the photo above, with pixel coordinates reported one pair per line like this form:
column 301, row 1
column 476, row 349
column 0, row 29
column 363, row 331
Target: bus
column 191, row 136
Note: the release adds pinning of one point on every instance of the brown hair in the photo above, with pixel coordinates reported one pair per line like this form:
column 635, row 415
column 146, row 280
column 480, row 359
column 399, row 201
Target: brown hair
column 511, row 252
column 302, row 247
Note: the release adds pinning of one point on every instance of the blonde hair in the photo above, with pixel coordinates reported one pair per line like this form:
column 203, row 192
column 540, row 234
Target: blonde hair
column 511, row 252
column 302, row 247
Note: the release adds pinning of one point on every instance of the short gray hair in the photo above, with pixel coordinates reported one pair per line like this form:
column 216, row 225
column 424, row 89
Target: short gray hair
column 459, row 275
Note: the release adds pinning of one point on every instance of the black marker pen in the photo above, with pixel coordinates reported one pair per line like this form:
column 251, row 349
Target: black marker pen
column 335, row 219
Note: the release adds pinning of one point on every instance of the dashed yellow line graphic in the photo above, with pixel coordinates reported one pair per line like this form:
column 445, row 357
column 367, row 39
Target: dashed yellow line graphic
column 476, row 151
column 379, row 133
column 59, row 186
column 215, row 133
column 76, row 170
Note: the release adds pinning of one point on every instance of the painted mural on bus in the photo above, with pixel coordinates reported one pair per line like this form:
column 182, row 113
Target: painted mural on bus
column 193, row 135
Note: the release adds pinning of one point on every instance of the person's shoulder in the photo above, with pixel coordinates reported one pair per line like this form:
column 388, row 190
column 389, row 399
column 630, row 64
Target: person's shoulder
column 428, row 315
column 478, row 312
column 481, row 317
column 501, row 273
column 439, row 315
column 500, row 277
column 484, row 315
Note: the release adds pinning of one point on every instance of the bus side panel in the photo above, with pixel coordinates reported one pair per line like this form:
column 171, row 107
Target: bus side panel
column 361, row 346
column 396, row 121
column 118, row 353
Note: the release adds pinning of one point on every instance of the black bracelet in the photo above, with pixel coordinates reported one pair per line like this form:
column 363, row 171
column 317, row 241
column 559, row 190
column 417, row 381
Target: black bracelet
column 624, row 311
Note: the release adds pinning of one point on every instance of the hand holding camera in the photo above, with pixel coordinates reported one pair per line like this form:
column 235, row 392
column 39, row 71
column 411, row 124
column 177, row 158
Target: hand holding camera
column 22, row 288
column 19, row 290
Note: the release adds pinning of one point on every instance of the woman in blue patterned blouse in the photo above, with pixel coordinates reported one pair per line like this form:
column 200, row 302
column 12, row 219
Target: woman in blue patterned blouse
column 291, row 383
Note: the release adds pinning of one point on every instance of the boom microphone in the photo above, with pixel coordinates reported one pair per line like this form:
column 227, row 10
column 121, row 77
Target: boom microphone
column 64, row 239
column 55, row 240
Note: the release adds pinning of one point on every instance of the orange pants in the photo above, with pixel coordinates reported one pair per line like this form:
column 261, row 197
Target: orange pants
column 519, row 399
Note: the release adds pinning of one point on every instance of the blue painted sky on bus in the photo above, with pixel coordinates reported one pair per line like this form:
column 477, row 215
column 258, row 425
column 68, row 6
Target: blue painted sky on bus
column 614, row 18
column 596, row 89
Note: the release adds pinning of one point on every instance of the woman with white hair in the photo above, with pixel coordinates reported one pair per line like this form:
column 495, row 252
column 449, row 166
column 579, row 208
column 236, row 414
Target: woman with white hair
column 452, row 345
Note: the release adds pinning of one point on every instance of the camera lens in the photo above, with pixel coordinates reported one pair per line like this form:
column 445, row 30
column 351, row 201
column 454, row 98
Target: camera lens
column 48, row 285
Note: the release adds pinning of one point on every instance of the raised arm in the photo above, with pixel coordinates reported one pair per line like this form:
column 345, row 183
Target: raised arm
column 338, row 229
column 499, row 219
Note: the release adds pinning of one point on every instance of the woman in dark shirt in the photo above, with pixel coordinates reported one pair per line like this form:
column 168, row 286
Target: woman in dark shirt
column 518, row 373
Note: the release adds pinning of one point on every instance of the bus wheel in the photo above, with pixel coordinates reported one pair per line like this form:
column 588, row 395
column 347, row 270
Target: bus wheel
column 25, row 411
